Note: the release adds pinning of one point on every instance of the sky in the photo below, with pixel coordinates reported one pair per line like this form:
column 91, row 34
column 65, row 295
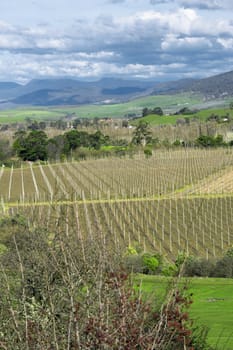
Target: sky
column 159, row 40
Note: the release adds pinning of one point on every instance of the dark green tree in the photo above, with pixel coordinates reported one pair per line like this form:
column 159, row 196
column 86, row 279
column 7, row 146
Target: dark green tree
column 97, row 140
column 32, row 146
column 75, row 139
column 142, row 134
column 145, row 112
column 57, row 147
column 157, row 110
column 210, row 141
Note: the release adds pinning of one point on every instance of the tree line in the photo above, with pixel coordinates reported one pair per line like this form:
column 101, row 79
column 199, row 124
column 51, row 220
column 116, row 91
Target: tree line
column 36, row 145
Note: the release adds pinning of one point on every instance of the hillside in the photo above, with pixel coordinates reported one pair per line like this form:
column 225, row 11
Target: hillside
column 218, row 86
column 57, row 91
column 48, row 92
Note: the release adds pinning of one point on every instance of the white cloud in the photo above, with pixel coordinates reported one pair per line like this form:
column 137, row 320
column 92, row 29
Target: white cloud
column 97, row 55
column 226, row 43
column 52, row 43
column 145, row 43
column 202, row 4
column 174, row 43
column 11, row 41
column 182, row 21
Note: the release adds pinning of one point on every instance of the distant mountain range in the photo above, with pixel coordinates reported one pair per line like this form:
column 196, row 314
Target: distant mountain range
column 217, row 86
column 57, row 92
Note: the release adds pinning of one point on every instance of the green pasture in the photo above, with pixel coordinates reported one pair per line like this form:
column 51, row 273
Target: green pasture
column 21, row 114
column 166, row 102
column 212, row 304
column 169, row 104
column 202, row 115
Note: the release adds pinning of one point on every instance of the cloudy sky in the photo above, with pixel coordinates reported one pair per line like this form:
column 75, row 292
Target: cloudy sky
column 91, row 39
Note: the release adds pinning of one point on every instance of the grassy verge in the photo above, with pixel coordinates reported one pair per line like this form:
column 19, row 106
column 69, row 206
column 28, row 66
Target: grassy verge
column 212, row 305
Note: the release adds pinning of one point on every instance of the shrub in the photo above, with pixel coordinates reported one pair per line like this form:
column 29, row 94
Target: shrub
column 148, row 152
column 224, row 267
column 198, row 267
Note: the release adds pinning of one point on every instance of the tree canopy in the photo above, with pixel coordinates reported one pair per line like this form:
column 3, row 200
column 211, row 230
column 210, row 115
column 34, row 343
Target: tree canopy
column 142, row 134
column 32, row 146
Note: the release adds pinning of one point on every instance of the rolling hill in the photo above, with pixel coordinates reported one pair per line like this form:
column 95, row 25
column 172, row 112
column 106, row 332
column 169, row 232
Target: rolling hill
column 62, row 91
column 218, row 86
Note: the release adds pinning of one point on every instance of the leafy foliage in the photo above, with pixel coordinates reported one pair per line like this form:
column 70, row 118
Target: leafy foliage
column 142, row 134
column 156, row 110
column 210, row 141
column 32, row 146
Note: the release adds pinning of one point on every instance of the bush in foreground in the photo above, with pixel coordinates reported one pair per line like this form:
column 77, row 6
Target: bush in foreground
column 64, row 292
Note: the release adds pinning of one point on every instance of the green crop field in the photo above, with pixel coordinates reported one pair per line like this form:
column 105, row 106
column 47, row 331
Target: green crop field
column 212, row 305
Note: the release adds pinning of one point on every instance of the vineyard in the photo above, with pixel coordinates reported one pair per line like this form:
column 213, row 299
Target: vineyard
column 176, row 200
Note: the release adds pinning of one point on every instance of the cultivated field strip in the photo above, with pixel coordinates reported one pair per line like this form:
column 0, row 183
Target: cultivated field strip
column 174, row 201
column 218, row 183
column 197, row 226
column 164, row 173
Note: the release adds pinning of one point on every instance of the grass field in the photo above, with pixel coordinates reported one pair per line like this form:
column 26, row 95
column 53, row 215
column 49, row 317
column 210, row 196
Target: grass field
column 21, row 114
column 173, row 102
column 172, row 119
column 212, row 305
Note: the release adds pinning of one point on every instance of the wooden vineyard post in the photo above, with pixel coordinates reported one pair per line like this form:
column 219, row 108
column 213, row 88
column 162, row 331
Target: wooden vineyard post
column 163, row 220
column 10, row 182
column 37, row 195
column 47, row 182
column 221, row 220
column 86, row 215
column 67, row 220
column 177, row 225
column 59, row 182
column 187, row 247
column 3, row 206
column 22, row 184
column 170, row 225
column 196, row 236
column 2, row 171
column 214, row 253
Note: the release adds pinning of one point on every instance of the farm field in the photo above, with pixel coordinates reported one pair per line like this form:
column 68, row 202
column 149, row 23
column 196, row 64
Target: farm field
column 212, row 306
column 169, row 103
column 177, row 200
column 21, row 114
column 202, row 115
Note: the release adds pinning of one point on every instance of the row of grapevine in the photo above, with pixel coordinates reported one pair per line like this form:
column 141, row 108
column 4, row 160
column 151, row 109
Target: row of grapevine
column 197, row 226
column 164, row 173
